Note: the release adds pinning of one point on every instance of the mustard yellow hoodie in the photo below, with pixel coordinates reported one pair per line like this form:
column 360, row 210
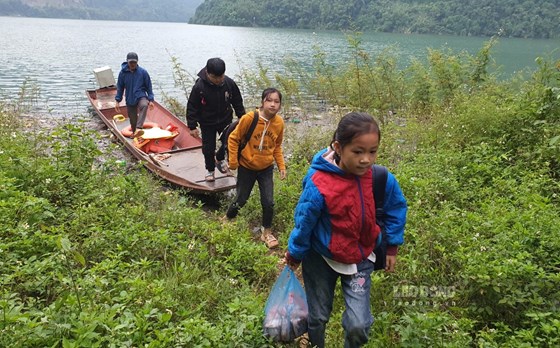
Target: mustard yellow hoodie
column 264, row 147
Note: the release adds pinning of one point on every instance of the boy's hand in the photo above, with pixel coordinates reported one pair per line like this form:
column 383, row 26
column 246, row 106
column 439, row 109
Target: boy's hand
column 194, row 133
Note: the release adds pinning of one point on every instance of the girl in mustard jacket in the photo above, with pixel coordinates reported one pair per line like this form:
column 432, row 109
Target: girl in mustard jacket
column 256, row 161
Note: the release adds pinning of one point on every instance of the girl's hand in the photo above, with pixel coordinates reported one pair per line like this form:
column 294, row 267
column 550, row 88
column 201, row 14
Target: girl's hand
column 390, row 262
column 290, row 261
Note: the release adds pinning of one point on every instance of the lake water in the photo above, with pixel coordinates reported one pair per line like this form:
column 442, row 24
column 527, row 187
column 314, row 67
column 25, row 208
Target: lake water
column 59, row 55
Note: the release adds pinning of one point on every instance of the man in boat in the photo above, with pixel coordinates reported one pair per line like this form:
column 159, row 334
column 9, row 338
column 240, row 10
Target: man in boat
column 139, row 95
column 213, row 98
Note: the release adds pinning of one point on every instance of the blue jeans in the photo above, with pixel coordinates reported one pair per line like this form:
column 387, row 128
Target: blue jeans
column 320, row 281
column 245, row 181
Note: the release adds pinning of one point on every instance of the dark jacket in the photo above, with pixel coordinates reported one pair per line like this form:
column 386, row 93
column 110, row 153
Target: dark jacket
column 136, row 83
column 211, row 105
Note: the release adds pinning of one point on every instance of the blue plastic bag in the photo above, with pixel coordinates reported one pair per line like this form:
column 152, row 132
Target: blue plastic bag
column 286, row 309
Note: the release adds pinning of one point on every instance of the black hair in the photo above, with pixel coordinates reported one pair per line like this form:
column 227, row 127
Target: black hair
column 353, row 125
column 268, row 92
column 215, row 66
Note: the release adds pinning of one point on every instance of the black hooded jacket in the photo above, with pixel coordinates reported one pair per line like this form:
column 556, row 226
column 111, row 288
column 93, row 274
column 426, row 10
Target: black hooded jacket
column 211, row 105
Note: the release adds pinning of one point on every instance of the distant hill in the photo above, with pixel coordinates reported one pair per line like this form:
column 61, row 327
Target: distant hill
column 138, row 10
column 513, row 18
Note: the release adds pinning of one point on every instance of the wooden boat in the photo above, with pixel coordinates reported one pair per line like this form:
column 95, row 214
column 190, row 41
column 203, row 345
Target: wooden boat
column 184, row 165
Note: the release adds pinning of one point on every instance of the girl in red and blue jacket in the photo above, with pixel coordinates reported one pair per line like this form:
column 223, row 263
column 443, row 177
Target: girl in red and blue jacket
column 336, row 230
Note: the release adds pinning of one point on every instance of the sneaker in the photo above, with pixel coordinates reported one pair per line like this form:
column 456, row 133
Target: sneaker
column 232, row 211
column 268, row 238
column 222, row 166
column 209, row 176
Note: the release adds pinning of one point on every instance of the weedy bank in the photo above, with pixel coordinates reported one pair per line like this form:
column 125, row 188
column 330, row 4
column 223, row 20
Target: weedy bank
column 99, row 255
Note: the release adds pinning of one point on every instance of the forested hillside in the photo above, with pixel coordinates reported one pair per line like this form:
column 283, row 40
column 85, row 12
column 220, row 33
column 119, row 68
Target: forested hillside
column 513, row 18
column 138, row 10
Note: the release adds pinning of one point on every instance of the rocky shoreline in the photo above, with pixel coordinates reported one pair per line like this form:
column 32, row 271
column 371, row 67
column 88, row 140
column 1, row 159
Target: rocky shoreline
column 298, row 123
column 43, row 124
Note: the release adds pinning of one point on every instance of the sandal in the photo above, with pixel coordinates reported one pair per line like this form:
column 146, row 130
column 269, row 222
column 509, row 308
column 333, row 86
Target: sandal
column 303, row 341
column 268, row 238
column 138, row 133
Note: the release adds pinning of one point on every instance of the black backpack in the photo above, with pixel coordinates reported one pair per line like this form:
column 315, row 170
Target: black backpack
column 380, row 174
column 229, row 128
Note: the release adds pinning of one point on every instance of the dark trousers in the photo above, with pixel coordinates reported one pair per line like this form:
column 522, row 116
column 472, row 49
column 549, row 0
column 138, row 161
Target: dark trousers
column 209, row 134
column 137, row 113
column 245, row 181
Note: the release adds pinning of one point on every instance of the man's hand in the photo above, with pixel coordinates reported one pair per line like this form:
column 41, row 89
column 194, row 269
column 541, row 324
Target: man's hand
column 151, row 105
column 117, row 107
column 283, row 174
column 194, row 133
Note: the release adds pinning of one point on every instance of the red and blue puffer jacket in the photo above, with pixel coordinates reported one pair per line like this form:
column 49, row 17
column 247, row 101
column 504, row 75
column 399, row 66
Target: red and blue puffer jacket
column 335, row 214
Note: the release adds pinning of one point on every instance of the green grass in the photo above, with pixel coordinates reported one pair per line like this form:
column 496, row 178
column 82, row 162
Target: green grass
column 99, row 255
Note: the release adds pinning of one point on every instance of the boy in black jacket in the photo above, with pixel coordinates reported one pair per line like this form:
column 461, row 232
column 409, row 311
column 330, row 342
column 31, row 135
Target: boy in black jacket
column 211, row 103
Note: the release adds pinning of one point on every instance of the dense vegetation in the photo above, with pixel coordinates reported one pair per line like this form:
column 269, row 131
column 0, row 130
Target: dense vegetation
column 510, row 18
column 515, row 18
column 127, row 10
column 95, row 254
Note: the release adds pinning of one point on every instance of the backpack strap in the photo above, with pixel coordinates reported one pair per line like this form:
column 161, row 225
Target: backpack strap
column 248, row 135
column 252, row 127
column 379, row 177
